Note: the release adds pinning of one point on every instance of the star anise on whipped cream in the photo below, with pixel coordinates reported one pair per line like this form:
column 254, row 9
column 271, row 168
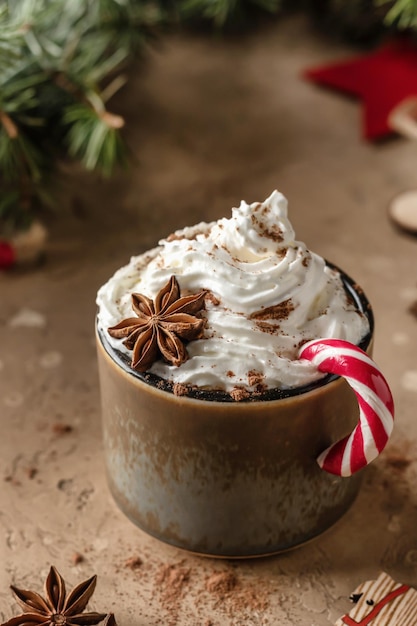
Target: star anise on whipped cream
column 161, row 326
column 56, row 607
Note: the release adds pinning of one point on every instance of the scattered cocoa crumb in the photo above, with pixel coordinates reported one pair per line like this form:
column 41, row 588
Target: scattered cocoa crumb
column 230, row 374
column 172, row 579
column 175, row 237
column 358, row 289
column 255, row 378
column 274, row 233
column 306, row 261
column 194, row 233
column 239, row 393
column 234, row 595
column 221, row 583
column 60, row 429
column 31, row 472
column 210, row 297
column 252, row 599
column 278, row 311
column 77, row 558
column 413, row 309
column 266, row 327
column 300, row 344
column 134, row 562
column 180, row 390
column 261, row 388
column 11, row 478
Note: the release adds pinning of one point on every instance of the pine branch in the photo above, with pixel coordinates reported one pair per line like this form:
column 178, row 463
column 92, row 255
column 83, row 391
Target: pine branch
column 94, row 138
column 402, row 14
column 134, row 22
column 221, row 12
column 19, row 157
column 61, row 61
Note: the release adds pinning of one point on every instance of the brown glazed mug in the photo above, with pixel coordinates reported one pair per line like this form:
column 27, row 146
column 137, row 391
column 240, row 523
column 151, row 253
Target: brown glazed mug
column 226, row 478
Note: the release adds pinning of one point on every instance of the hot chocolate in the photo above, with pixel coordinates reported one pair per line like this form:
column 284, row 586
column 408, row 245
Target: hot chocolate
column 214, row 427
column 265, row 295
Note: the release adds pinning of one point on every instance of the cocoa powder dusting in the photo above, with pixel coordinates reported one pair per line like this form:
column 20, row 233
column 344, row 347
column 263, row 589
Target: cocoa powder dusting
column 221, row 583
column 191, row 237
column 278, row 311
column 255, row 378
column 252, row 599
column 31, row 472
column 172, row 579
column 210, row 297
column 60, row 429
column 180, row 390
column 266, row 327
column 134, row 562
column 77, row 558
column 235, row 595
column 239, row 393
column 274, row 233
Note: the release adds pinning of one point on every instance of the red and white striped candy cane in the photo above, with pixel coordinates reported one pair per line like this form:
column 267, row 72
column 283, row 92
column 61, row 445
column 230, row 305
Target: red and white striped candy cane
column 376, row 406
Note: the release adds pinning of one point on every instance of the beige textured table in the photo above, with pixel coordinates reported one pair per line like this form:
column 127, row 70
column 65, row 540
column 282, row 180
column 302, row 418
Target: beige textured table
column 209, row 123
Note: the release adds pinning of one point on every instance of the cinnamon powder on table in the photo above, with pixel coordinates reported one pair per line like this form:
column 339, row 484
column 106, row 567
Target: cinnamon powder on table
column 235, row 595
column 172, row 579
column 221, row 583
column 134, row 562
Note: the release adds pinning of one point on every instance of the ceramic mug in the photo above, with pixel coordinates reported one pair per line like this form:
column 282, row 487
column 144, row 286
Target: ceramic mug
column 225, row 478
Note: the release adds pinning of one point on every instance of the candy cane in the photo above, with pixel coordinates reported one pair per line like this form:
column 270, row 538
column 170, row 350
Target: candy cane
column 376, row 407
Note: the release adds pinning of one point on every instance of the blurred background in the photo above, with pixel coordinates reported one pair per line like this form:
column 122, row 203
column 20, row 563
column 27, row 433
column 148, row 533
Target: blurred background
column 75, row 83
column 121, row 121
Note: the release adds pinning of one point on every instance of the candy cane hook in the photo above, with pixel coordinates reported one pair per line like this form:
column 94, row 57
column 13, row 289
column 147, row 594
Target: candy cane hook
column 376, row 406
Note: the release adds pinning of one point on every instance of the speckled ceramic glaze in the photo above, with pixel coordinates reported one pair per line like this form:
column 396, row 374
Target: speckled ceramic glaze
column 224, row 478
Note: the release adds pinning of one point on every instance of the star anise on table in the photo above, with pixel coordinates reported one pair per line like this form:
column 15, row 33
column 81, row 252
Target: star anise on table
column 161, row 326
column 56, row 608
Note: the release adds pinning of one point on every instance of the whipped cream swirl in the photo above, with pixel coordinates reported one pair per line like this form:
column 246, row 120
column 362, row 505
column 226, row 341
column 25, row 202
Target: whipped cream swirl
column 266, row 295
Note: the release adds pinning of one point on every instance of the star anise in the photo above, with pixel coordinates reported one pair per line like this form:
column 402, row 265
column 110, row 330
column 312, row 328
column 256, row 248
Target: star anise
column 56, row 607
column 161, row 326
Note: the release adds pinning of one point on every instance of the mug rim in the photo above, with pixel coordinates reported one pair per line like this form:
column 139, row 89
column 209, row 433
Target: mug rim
column 218, row 395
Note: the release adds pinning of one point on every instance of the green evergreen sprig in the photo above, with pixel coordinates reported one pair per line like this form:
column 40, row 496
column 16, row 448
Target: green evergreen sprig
column 94, row 138
column 61, row 62
column 402, row 13
column 224, row 12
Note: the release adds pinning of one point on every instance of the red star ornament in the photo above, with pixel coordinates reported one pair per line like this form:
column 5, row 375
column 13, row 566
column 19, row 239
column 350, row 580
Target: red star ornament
column 381, row 79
